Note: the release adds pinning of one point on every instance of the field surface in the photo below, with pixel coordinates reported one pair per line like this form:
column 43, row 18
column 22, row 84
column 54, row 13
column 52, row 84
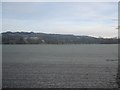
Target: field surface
column 60, row 66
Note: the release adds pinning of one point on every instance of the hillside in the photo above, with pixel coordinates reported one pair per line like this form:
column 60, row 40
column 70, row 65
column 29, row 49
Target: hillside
column 43, row 38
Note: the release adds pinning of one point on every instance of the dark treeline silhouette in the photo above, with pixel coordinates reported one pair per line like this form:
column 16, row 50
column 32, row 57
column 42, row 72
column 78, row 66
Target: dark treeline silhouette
column 42, row 38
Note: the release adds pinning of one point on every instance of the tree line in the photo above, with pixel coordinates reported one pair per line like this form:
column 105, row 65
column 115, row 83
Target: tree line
column 43, row 38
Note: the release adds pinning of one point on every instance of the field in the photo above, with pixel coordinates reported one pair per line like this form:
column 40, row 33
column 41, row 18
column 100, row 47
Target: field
column 60, row 66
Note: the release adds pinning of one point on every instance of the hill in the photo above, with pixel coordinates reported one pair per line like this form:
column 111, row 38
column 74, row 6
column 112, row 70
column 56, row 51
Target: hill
column 43, row 38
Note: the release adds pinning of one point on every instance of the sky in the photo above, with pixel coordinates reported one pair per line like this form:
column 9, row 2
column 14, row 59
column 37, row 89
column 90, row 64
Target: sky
column 98, row 19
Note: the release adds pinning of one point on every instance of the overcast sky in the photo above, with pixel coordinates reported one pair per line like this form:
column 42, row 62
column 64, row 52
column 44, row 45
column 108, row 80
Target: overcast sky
column 88, row 18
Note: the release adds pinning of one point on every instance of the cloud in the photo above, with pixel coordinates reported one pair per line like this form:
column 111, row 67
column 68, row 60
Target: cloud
column 95, row 19
column 60, row 1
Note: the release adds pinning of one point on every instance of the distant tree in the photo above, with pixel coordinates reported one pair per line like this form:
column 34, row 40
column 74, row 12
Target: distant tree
column 20, row 41
column 39, row 38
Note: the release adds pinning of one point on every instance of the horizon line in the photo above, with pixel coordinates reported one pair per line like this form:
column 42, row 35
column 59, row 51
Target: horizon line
column 59, row 34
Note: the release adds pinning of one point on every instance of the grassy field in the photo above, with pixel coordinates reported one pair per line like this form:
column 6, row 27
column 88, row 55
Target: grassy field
column 54, row 76
column 39, row 68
